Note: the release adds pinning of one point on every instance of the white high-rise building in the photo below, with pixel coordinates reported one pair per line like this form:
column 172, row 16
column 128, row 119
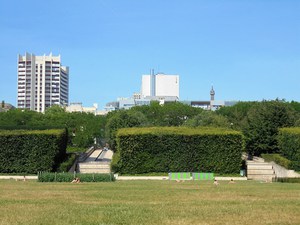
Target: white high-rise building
column 42, row 82
column 160, row 86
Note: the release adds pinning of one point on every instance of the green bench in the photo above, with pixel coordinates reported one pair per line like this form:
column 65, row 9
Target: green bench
column 203, row 176
column 180, row 176
column 191, row 176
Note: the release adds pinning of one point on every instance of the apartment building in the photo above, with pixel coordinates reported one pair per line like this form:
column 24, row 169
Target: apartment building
column 42, row 82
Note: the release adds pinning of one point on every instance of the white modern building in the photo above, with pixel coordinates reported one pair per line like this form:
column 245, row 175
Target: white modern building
column 155, row 87
column 42, row 82
column 160, row 86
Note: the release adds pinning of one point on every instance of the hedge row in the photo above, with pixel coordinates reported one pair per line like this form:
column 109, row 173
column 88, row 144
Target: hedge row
column 29, row 127
column 288, row 180
column 68, row 177
column 178, row 149
column 277, row 158
column 289, row 145
column 66, row 165
column 30, row 151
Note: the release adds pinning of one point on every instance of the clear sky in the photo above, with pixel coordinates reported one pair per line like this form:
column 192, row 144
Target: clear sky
column 248, row 50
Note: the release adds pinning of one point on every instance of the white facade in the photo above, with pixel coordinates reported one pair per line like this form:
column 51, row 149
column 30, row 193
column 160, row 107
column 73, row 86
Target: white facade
column 42, row 82
column 160, row 85
column 77, row 107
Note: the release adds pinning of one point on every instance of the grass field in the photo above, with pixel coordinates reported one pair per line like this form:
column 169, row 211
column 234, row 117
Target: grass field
column 149, row 202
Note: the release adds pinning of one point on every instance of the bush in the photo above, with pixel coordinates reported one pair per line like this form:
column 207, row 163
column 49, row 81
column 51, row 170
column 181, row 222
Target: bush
column 288, row 180
column 115, row 162
column 68, row 163
column 277, row 158
column 263, row 121
column 289, row 145
column 68, row 177
column 30, row 151
column 169, row 149
column 71, row 149
column 295, row 165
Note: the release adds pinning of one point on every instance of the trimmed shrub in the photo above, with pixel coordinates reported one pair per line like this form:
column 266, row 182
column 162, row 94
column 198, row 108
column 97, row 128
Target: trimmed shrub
column 288, row 180
column 30, row 151
column 114, row 165
column 68, row 177
column 289, row 145
column 277, row 158
column 169, row 149
column 68, row 163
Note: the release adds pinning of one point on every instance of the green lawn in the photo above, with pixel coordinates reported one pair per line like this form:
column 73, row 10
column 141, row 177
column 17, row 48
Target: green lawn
column 149, row 202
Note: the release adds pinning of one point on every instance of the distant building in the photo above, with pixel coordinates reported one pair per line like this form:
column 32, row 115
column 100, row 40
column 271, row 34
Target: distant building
column 125, row 103
column 42, row 82
column 210, row 105
column 4, row 107
column 160, row 86
column 77, row 107
column 155, row 87
column 164, row 89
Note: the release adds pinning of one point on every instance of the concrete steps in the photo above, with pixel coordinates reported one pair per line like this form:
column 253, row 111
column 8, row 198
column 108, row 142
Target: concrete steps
column 259, row 170
column 98, row 161
column 93, row 167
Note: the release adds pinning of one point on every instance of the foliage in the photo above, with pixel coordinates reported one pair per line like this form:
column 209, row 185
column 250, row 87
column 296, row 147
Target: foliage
column 288, row 180
column 122, row 119
column 115, row 163
column 31, row 151
column 82, row 127
column 237, row 114
column 67, row 163
column 295, row 165
column 169, row 114
column 166, row 149
column 289, row 145
column 208, row 118
column 278, row 159
column 68, row 177
column 73, row 149
column 295, row 105
column 263, row 121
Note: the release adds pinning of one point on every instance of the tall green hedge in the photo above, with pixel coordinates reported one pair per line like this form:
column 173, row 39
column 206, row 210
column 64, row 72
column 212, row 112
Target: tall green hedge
column 178, row 149
column 289, row 145
column 68, row 177
column 30, row 151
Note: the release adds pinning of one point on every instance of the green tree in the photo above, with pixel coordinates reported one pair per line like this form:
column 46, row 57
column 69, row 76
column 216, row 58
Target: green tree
column 263, row 121
column 122, row 119
column 295, row 105
column 237, row 114
column 169, row 114
column 208, row 118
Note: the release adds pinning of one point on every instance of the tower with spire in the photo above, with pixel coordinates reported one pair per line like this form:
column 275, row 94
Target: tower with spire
column 212, row 94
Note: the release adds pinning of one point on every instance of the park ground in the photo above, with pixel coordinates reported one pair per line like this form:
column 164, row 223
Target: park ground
column 149, row 202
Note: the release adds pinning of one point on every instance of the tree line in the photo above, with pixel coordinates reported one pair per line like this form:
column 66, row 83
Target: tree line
column 258, row 121
column 83, row 128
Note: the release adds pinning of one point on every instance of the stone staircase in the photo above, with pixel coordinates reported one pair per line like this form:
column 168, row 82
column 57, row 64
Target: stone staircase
column 93, row 167
column 97, row 162
column 257, row 169
column 282, row 172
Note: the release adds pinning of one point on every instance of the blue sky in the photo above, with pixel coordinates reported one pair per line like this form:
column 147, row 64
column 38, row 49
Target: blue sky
column 249, row 50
